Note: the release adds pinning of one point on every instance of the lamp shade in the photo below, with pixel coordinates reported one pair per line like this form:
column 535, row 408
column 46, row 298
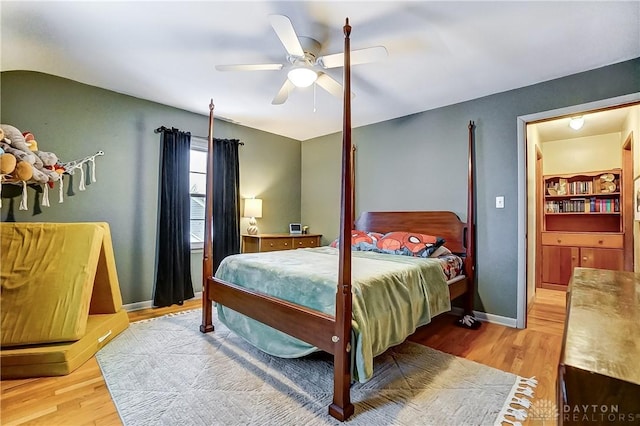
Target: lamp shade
column 302, row 76
column 252, row 207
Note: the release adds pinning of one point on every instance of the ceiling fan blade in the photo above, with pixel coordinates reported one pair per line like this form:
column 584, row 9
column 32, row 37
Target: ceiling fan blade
column 359, row 56
column 330, row 85
column 283, row 93
column 287, row 35
column 250, row 67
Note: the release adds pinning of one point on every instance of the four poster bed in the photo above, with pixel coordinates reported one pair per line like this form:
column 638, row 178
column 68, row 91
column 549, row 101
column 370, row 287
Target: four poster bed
column 380, row 298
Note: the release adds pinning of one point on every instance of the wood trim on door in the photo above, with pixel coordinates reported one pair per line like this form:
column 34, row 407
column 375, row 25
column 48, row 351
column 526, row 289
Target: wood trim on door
column 539, row 216
column 626, row 201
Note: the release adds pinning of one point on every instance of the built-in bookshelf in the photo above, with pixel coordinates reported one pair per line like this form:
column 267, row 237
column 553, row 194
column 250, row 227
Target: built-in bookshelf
column 594, row 195
column 583, row 224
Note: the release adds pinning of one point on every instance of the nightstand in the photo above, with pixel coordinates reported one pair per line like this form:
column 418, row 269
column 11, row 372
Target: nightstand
column 274, row 242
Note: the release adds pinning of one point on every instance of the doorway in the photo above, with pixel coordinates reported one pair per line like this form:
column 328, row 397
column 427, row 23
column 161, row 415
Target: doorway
column 528, row 257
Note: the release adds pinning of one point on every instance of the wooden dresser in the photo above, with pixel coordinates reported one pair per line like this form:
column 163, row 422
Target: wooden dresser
column 599, row 369
column 274, row 242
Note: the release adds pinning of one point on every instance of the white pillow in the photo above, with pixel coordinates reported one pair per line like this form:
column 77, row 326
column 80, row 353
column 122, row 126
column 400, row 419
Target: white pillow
column 440, row 251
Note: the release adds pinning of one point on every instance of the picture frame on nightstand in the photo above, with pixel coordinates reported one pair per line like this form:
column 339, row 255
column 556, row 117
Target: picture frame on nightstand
column 295, row 228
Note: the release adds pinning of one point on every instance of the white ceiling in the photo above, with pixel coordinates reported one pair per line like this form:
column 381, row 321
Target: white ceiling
column 595, row 123
column 440, row 53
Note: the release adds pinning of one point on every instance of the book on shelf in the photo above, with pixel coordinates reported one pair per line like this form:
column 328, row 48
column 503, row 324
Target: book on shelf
column 583, row 205
column 581, row 187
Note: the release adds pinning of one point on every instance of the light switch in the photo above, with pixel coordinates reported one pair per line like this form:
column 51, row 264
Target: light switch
column 500, row 202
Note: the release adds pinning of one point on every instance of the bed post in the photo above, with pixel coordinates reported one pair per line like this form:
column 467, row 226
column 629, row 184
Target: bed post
column 353, row 185
column 470, row 264
column 342, row 408
column 207, row 257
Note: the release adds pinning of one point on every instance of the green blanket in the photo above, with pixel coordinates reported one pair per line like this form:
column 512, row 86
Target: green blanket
column 392, row 296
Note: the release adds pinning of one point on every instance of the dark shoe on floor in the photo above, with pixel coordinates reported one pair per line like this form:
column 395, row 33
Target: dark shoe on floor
column 468, row 321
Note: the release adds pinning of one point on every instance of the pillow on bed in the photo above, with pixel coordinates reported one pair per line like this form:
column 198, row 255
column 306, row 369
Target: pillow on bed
column 440, row 251
column 409, row 244
column 361, row 240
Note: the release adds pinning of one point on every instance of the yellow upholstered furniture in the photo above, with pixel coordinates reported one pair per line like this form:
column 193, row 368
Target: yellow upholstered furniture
column 60, row 299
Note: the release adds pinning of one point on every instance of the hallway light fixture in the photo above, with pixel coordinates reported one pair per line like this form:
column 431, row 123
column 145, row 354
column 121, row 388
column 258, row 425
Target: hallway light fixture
column 576, row 123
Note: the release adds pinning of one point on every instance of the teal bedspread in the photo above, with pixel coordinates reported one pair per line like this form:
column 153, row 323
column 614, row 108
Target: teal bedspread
column 392, row 296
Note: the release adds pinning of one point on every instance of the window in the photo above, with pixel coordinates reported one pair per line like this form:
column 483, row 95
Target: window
column 197, row 191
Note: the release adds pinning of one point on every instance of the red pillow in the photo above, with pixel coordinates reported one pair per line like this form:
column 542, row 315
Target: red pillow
column 409, row 243
column 361, row 240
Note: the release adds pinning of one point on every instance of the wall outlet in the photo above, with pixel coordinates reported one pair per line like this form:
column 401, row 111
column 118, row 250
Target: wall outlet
column 500, row 202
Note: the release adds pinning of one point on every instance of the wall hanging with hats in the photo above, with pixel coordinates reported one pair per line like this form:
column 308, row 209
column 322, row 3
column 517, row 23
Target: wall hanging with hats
column 23, row 164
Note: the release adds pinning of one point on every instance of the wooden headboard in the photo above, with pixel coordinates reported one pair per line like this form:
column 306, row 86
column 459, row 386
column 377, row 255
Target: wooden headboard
column 439, row 223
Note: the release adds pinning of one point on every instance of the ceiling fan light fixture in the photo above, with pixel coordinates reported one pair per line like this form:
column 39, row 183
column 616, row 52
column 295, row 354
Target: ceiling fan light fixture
column 576, row 123
column 302, row 76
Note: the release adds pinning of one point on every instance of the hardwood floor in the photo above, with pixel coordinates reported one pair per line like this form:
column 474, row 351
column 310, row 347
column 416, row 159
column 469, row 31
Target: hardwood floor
column 534, row 351
column 82, row 398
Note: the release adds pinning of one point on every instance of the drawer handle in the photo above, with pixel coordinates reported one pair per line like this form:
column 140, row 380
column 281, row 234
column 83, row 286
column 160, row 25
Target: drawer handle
column 299, row 243
column 600, row 241
column 270, row 244
column 584, row 258
column 559, row 240
column 286, row 244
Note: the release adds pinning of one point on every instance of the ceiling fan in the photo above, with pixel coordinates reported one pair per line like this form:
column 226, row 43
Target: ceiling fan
column 304, row 64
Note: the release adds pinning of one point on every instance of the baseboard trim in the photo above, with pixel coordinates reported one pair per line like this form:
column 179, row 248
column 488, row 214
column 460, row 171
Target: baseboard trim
column 130, row 307
column 483, row 316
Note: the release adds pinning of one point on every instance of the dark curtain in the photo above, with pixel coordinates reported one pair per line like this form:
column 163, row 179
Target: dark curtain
column 226, row 200
column 173, row 268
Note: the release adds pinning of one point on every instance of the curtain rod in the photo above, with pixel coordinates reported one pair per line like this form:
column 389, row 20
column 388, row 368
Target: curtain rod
column 162, row 129
column 206, row 138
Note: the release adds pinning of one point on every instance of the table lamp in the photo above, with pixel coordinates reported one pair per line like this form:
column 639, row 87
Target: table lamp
column 252, row 210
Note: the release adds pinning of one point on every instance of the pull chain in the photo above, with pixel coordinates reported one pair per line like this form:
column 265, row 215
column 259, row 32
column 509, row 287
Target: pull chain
column 314, row 96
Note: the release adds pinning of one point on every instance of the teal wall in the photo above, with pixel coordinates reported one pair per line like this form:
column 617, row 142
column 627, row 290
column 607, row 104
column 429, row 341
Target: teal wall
column 416, row 162
column 75, row 120
column 419, row 162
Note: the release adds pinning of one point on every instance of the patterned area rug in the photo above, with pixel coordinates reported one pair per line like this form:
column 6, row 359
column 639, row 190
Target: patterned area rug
column 165, row 372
